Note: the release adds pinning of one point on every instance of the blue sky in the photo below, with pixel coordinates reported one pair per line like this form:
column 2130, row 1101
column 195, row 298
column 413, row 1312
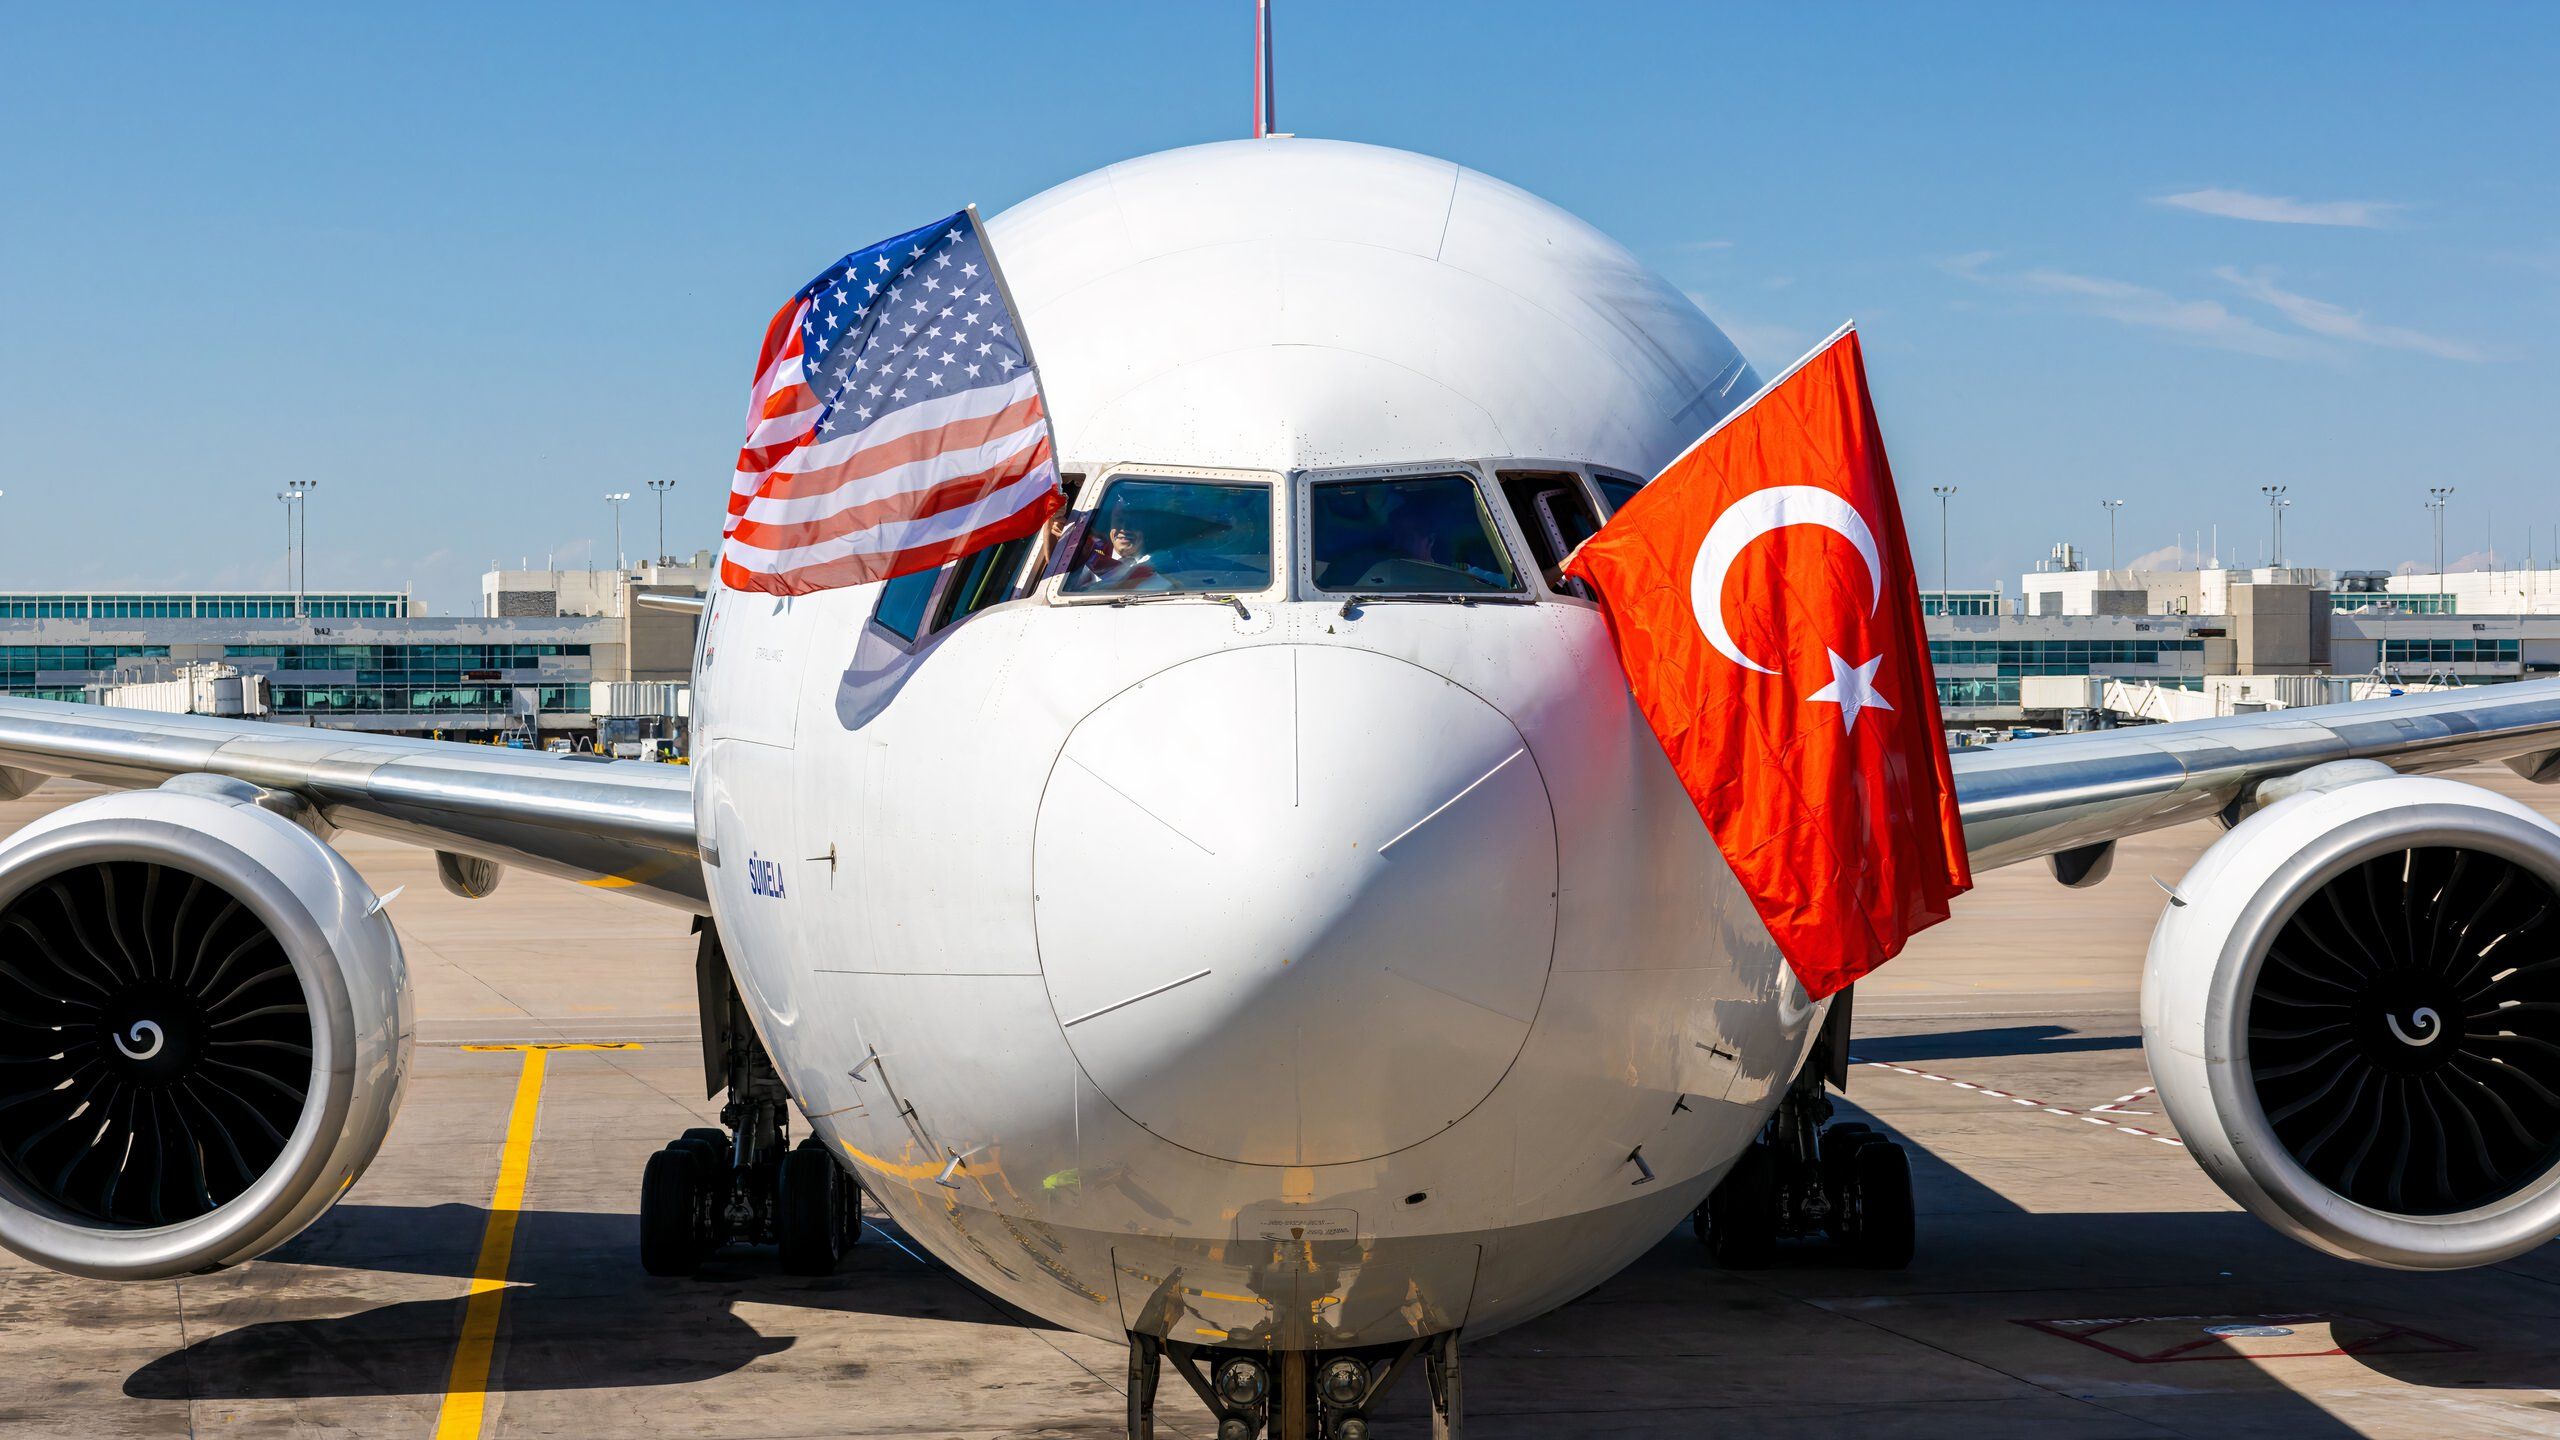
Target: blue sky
column 471, row 267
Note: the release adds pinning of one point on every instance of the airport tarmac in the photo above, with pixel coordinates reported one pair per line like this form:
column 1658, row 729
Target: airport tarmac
column 2072, row 1260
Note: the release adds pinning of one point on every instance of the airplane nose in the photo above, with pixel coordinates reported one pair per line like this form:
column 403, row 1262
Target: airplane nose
column 1295, row 904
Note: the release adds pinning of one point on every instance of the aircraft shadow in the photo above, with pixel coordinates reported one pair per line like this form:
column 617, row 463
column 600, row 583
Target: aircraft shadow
column 1990, row 1041
column 1670, row 1346
column 580, row 1313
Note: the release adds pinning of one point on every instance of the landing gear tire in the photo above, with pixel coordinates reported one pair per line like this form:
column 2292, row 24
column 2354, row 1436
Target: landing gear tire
column 1840, row 1146
column 849, row 1215
column 1739, row 1222
column 815, row 1199
column 710, row 1160
column 1881, row 1237
column 672, row 1198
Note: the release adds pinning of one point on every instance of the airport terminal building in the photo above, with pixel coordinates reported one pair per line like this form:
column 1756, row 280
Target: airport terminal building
column 2127, row 645
column 2113, row 645
column 368, row 660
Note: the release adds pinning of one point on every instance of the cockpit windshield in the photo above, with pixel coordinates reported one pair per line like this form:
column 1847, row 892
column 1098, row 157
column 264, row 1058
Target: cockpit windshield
column 1154, row 536
column 1422, row 534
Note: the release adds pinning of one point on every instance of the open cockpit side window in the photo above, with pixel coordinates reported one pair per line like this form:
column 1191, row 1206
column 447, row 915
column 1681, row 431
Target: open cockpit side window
column 926, row 602
column 1555, row 515
column 1405, row 535
column 1160, row 536
column 1617, row 490
column 983, row 578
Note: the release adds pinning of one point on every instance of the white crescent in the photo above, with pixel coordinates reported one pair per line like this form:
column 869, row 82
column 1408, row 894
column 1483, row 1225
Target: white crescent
column 1753, row 516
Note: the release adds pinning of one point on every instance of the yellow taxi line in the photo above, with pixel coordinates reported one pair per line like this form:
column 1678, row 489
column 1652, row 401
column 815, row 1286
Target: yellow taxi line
column 466, row 1386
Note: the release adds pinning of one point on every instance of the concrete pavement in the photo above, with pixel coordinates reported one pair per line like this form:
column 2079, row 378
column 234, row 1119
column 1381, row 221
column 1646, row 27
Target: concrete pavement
column 2071, row 1265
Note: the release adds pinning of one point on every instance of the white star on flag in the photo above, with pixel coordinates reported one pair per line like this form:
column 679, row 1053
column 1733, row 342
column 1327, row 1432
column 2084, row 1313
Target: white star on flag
column 1852, row 688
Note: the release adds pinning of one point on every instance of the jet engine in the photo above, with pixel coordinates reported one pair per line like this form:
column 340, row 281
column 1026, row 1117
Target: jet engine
column 204, row 1025
column 2352, row 1011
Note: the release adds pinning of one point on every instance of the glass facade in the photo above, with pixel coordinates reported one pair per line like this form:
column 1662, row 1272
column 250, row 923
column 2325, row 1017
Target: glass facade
column 2002, row 690
column 287, row 697
column 2433, row 604
column 201, row 605
column 2451, row 652
column 1977, row 690
column 2061, row 657
column 1959, row 602
column 322, row 680
column 434, row 664
column 20, row 664
column 340, row 679
column 26, row 660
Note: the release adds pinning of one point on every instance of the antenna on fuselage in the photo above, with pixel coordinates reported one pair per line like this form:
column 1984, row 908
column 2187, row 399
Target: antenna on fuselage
column 1265, row 108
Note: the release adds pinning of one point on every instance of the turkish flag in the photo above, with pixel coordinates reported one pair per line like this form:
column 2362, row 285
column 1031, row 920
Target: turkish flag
column 1763, row 602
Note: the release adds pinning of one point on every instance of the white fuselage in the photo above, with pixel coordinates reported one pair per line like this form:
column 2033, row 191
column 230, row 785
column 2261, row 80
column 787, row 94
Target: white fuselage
column 1263, row 969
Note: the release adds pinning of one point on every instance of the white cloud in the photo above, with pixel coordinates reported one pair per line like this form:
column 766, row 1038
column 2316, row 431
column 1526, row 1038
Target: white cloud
column 2453, row 565
column 2281, row 209
column 2167, row 557
column 2197, row 321
column 2339, row 323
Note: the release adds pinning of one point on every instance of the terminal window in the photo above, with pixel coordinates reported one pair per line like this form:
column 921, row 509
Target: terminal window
column 2061, row 657
column 2451, row 652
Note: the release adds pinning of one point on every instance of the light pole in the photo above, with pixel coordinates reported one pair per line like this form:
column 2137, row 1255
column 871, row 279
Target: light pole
column 1943, row 492
column 302, row 491
column 2275, row 509
column 2435, row 501
column 615, row 500
column 286, row 499
column 662, row 487
column 2112, row 506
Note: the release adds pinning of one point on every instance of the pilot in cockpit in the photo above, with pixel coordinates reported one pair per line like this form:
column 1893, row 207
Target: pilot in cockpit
column 1116, row 558
column 1424, row 526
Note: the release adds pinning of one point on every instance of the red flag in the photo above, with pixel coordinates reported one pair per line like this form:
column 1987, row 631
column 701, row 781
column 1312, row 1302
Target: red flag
column 1763, row 602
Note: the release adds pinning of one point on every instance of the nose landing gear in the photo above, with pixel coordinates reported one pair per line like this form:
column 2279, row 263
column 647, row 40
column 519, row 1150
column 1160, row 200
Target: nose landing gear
column 1292, row 1394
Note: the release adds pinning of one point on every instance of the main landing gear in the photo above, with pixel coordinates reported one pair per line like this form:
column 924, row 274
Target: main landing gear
column 710, row 1187
column 1292, row 1394
column 1804, row 1178
column 743, row 1181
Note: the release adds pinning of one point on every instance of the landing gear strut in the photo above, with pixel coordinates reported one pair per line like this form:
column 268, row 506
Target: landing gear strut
column 1292, row 1394
column 1804, row 1177
column 741, row 1181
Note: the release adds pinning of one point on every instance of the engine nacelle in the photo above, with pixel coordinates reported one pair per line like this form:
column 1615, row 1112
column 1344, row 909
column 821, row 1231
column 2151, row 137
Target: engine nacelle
column 2352, row 1010
column 204, row 1026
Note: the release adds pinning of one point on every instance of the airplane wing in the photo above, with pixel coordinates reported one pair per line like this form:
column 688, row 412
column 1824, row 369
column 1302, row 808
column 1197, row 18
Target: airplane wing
column 2075, row 793
column 615, row 825
column 630, row 826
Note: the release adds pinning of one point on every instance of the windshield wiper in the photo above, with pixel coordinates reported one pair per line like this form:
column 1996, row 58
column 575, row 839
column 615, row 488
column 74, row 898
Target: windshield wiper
column 1352, row 603
column 1158, row 597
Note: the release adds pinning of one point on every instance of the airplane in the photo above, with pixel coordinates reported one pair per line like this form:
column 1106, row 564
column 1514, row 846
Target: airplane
column 1300, row 957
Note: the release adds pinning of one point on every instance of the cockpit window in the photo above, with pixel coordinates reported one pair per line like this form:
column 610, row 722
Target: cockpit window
column 1554, row 516
column 901, row 606
column 1411, row 535
column 1157, row 536
column 1617, row 491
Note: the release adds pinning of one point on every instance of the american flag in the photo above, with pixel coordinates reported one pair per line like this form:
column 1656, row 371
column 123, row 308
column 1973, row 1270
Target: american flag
column 896, row 422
